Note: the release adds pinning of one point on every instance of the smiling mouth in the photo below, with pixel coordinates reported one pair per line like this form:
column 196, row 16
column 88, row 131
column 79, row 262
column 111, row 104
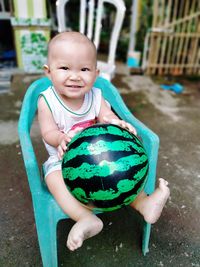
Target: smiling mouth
column 74, row 86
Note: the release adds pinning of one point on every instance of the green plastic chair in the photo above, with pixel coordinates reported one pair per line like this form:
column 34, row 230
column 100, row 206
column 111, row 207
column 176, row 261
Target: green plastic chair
column 47, row 212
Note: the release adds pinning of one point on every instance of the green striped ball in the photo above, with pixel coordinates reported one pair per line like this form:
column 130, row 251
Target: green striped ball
column 105, row 166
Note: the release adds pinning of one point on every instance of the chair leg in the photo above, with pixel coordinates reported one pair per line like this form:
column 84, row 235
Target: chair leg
column 47, row 237
column 146, row 237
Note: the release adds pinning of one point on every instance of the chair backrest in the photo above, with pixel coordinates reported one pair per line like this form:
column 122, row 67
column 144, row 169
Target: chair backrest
column 91, row 25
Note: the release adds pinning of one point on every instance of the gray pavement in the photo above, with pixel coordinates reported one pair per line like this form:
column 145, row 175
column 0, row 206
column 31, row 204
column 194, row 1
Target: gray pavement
column 175, row 238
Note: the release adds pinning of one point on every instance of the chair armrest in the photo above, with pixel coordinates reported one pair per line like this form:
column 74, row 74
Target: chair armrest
column 30, row 162
column 27, row 115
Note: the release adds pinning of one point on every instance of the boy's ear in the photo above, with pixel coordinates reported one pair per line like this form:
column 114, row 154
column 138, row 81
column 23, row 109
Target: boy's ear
column 97, row 72
column 46, row 70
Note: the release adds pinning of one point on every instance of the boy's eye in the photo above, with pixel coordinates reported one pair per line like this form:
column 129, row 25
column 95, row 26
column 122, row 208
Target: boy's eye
column 64, row 68
column 85, row 69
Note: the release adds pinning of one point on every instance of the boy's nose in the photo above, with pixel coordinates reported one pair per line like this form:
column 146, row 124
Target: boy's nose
column 74, row 76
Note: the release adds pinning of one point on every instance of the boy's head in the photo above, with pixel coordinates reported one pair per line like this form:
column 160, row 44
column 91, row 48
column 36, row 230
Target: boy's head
column 72, row 61
column 67, row 40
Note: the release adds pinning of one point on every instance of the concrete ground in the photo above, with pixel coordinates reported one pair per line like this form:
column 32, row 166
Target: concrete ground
column 175, row 238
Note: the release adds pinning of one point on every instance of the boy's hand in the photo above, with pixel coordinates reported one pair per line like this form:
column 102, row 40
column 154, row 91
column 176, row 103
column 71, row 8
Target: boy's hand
column 66, row 138
column 121, row 123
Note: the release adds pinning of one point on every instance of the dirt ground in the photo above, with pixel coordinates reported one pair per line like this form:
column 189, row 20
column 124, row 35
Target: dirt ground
column 175, row 238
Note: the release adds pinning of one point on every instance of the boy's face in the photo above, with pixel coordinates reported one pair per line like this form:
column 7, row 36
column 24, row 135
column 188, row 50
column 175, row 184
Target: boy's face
column 72, row 69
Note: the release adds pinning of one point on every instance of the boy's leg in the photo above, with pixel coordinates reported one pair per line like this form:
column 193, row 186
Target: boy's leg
column 151, row 206
column 87, row 224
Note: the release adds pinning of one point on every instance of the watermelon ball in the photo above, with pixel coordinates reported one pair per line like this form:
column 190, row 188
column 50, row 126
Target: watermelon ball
column 105, row 167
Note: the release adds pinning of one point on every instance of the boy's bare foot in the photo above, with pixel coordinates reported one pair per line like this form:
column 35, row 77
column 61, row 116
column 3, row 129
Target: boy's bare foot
column 151, row 206
column 83, row 229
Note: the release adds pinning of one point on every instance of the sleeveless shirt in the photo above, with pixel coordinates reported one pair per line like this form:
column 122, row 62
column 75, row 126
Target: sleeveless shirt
column 67, row 119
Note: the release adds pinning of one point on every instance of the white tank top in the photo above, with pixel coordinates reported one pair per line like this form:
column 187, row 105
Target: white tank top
column 65, row 118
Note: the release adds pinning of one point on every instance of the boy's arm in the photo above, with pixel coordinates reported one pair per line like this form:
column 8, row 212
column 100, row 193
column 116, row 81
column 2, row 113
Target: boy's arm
column 106, row 115
column 49, row 129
